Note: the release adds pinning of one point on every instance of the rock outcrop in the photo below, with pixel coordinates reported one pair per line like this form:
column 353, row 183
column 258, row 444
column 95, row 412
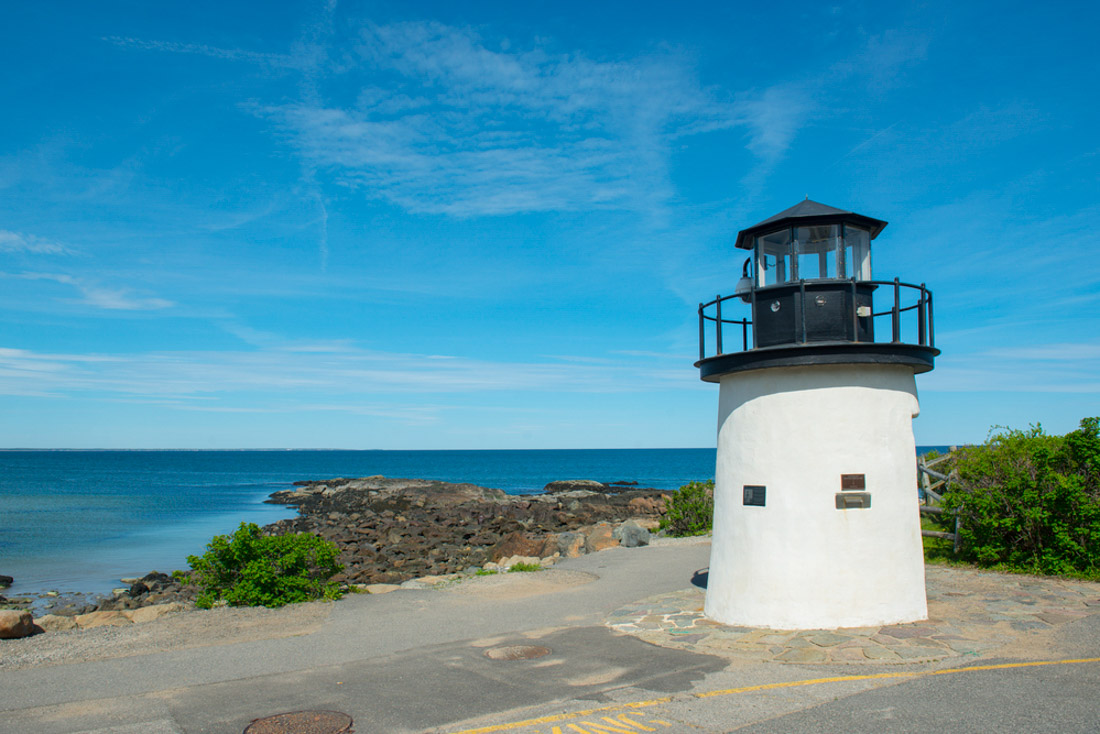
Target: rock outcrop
column 392, row 530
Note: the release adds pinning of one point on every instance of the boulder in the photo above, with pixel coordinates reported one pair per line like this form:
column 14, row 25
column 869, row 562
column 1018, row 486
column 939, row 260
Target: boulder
column 516, row 544
column 101, row 619
column 380, row 588
column 631, row 535
column 15, row 624
column 646, row 506
column 571, row 545
column 6, row 581
column 155, row 611
column 507, row 563
column 600, row 537
column 55, row 622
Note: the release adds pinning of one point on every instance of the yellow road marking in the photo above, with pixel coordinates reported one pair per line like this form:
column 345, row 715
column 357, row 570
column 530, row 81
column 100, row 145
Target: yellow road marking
column 573, row 715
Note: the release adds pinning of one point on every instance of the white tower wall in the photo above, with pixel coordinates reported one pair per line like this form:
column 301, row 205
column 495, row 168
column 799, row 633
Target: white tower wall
column 798, row 562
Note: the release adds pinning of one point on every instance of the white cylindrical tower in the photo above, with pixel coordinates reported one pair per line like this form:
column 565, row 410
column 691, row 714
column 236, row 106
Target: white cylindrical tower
column 816, row 519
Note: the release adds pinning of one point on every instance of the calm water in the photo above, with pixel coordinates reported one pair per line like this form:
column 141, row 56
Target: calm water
column 80, row 520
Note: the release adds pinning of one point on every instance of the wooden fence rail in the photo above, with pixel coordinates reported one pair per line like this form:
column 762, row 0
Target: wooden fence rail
column 931, row 500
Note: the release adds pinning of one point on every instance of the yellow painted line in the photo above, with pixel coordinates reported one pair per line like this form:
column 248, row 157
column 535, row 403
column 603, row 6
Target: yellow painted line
column 562, row 717
column 765, row 687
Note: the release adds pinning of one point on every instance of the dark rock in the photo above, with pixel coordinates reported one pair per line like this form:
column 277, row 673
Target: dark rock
column 574, row 485
column 6, row 581
column 516, row 544
column 631, row 535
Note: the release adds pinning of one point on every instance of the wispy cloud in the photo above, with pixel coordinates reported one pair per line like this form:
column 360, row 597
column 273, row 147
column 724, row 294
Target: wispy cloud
column 773, row 117
column 445, row 124
column 202, row 49
column 117, row 299
column 1041, row 368
column 311, row 376
column 20, row 242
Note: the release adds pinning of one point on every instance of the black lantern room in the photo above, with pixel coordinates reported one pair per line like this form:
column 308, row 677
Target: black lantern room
column 812, row 299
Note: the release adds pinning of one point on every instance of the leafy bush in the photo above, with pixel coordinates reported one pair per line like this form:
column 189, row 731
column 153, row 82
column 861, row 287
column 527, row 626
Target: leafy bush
column 525, row 568
column 690, row 509
column 251, row 569
column 1031, row 502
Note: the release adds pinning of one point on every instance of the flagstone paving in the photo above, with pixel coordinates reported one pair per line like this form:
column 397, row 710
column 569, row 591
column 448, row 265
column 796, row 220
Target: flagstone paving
column 970, row 613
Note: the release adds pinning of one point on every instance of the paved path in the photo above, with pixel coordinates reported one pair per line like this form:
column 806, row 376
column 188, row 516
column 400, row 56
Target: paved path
column 969, row 614
column 430, row 660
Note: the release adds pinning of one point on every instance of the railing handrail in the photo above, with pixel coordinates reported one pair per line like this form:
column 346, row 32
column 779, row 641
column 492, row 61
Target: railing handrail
column 922, row 306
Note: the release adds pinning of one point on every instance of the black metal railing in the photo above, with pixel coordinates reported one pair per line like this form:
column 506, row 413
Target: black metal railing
column 921, row 309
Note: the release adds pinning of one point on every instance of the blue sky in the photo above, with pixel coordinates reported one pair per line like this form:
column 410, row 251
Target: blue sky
column 489, row 225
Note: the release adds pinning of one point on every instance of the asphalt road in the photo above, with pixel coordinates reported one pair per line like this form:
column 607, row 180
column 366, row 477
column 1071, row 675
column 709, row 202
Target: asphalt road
column 413, row 661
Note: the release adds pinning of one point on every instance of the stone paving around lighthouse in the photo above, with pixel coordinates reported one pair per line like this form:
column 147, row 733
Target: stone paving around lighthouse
column 970, row 613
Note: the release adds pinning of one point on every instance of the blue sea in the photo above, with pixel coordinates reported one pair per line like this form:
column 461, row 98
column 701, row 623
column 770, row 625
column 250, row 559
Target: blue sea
column 81, row 520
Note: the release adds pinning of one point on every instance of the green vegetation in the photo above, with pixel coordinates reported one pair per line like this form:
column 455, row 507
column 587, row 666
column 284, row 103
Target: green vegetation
column 690, row 510
column 524, row 568
column 1029, row 502
column 251, row 569
column 485, row 572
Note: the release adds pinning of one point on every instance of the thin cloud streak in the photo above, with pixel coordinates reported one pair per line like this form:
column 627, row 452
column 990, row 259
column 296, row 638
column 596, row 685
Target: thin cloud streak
column 350, row 373
column 201, row 49
column 21, row 242
column 117, row 299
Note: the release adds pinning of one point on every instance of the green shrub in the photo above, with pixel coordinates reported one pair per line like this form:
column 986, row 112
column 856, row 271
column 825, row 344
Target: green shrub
column 690, row 509
column 1031, row 502
column 524, row 568
column 251, row 569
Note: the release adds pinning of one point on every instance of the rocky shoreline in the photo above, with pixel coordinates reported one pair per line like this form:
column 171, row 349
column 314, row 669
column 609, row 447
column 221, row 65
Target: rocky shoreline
column 392, row 531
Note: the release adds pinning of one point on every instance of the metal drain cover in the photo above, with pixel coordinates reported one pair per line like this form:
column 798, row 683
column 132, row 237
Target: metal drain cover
column 302, row 722
column 516, row 652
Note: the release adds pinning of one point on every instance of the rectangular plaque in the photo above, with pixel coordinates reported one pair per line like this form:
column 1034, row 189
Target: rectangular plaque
column 853, row 481
column 853, row 500
column 754, row 495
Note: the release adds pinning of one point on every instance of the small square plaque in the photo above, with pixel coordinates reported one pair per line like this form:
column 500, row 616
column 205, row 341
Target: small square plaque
column 754, row 495
column 853, row 482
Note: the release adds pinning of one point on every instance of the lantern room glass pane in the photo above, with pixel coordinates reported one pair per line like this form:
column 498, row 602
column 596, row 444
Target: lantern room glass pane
column 857, row 252
column 774, row 258
column 817, row 251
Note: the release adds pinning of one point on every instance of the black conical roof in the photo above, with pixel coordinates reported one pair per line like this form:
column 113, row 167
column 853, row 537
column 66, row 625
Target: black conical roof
column 806, row 213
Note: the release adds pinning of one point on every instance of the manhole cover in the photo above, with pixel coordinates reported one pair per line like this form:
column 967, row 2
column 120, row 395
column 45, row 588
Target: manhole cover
column 302, row 722
column 516, row 652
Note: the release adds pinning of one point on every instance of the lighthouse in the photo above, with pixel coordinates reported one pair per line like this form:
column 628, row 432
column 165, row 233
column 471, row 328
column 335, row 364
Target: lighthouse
column 816, row 519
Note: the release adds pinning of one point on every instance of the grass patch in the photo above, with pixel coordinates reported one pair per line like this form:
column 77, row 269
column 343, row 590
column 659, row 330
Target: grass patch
column 525, row 568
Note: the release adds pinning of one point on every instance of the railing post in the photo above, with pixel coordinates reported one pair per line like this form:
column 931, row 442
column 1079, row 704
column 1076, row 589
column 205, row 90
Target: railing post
column 744, row 335
column 855, row 312
column 718, row 321
column 754, row 340
column 921, row 318
column 802, row 306
column 702, row 334
column 897, row 311
column 931, row 329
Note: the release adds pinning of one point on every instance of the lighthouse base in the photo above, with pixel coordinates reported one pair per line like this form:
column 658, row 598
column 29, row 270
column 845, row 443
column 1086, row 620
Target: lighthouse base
column 816, row 521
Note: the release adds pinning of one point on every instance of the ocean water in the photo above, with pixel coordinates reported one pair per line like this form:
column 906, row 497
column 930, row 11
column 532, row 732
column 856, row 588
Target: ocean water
column 81, row 520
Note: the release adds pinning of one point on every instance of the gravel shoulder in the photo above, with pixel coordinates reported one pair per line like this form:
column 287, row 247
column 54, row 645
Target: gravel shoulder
column 177, row 631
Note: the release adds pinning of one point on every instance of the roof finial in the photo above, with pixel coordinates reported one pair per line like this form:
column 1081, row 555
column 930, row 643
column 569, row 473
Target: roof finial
column 807, row 197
